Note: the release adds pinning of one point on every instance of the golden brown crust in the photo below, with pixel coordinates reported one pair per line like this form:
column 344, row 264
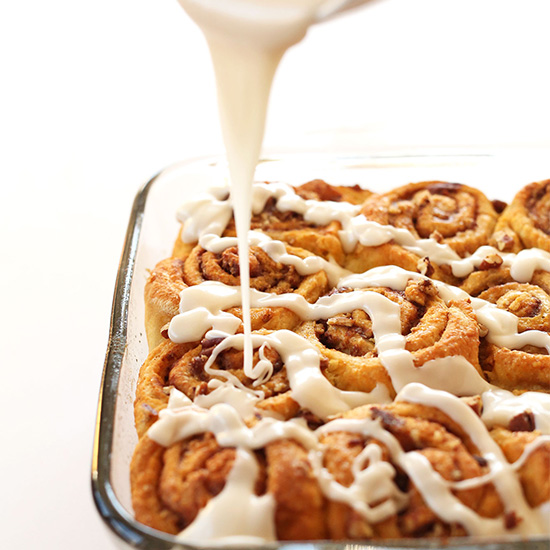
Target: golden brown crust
column 162, row 290
column 515, row 369
column 320, row 190
column 153, row 387
column 299, row 512
column 171, row 485
column 525, row 223
column 534, row 473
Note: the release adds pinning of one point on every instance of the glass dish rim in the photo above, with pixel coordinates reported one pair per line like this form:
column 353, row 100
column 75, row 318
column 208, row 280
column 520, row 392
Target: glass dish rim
column 114, row 515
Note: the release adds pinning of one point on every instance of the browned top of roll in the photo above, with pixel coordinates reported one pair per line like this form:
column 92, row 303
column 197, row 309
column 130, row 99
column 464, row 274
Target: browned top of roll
column 525, row 223
column 451, row 213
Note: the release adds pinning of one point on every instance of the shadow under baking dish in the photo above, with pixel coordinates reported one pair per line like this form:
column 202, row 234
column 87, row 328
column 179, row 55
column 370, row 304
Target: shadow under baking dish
column 151, row 232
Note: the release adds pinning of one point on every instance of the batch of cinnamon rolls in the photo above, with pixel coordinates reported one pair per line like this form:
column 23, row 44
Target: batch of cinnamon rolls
column 399, row 385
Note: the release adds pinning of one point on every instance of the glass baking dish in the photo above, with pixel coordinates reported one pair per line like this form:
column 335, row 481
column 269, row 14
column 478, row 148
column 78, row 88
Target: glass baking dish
column 151, row 232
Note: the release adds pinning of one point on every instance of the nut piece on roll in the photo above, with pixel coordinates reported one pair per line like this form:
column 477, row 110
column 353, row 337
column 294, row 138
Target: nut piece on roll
column 451, row 214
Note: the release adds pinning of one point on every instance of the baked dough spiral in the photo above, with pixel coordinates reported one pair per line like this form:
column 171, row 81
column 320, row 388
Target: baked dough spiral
column 522, row 369
column 432, row 329
column 292, row 228
column 525, row 222
column 452, row 214
column 171, row 276
column 181, row 366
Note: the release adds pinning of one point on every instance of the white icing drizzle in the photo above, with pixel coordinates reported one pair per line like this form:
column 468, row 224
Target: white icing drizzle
column 384, row 313
column 500, row 406
column 501, row 324
column 355, row 229
column 373, row 493
column 310, row 389
column 370, row 233
column 208, row 213
column 277, row 251
column 506, row 483
column 195, row 214
column 251, row 521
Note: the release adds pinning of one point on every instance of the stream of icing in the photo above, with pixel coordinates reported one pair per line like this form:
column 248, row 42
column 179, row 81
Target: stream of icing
column 247, row 40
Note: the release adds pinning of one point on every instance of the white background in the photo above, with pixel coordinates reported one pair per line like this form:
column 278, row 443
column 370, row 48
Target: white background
column 96, row 97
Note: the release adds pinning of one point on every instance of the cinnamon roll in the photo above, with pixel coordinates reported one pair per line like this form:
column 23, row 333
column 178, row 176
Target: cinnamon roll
column 291, row 224
column 528, row 367
column 182, row 366
column 171, row 276
column 431, row 329
column 190, row 375
column 290, row 227
column 402, row 470
column 525, row 222
column 450, row 214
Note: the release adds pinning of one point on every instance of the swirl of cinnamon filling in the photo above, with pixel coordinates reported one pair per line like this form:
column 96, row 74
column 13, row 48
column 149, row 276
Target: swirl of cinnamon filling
column 291, row 227
column 171, row 276
column 525, row 222
column 431, row 328
column 452, row 214
column 522, row 369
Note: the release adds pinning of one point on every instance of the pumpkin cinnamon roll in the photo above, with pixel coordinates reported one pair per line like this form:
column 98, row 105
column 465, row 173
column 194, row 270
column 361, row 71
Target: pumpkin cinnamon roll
column 426, row 225
column 511, row 368
column 322, row 239
column 171, row 276
column 525, row 222
column 182, row 366
column 285, row 213
column 350, row 341
column 378, row 472
column 196, row 369
column 170, row 486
